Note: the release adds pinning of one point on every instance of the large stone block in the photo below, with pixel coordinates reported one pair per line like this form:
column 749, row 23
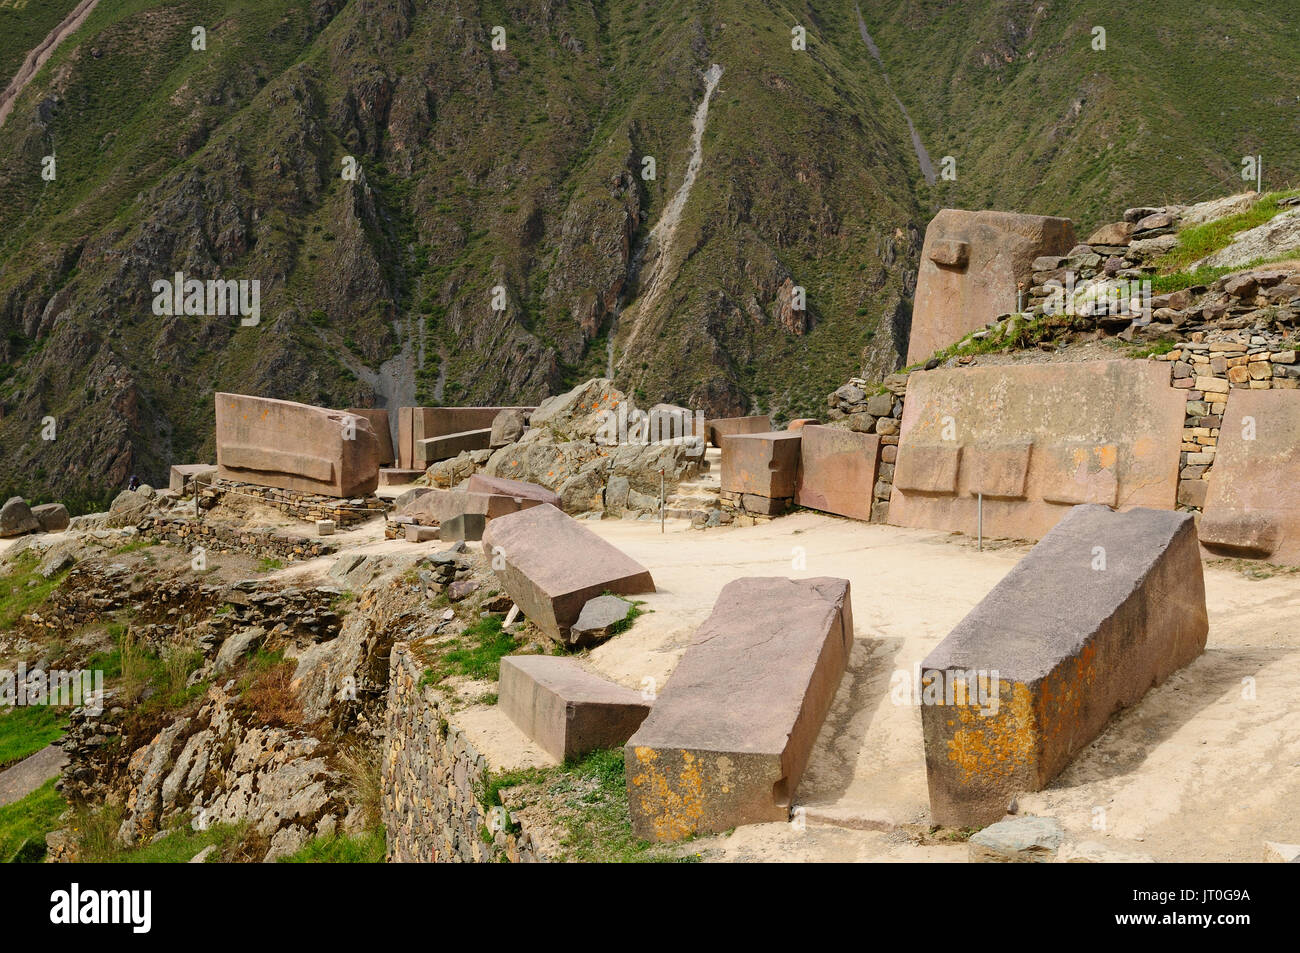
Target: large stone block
column 520, row 489
column 727, row 426
column 551, row 564
column 972, row 266
column 433, row 449
column 182, row 473
column 837, row 470
column 438, row 506
column 731, row 733
column 1105, row 606
column 764, row 464
column 422, row 423
column 295, row 446
column 379, row 422
column 1035, row 440
column 566, row 710
column 1252, row 504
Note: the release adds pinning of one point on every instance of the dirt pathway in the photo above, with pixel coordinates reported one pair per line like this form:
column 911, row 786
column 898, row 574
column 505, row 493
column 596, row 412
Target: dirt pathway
column 30, row 773
column 37, row 57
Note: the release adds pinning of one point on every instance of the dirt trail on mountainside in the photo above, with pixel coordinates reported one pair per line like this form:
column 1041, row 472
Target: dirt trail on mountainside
column 37, row 57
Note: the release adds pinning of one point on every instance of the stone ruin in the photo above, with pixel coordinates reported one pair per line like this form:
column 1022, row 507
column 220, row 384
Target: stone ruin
column 1033, row 440
column 552, row 565
column 728, row 738
column 1105, row 606
column 427, row 435
column 1252, row 505
column 295, row 446
column 976, row 266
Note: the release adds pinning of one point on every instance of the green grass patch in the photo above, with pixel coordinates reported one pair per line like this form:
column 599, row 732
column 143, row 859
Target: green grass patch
column 1198, row 241
column 476, row 654
column 367, row 848
column 133, row 547
column 588, row 797
column 270, row 564
column 23, row 589
column 27, row 729
column 96, row 832
column 24, row 824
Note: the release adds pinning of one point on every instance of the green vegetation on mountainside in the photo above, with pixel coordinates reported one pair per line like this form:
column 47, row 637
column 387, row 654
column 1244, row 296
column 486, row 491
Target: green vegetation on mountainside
column 1039, row 121
column 520, row 169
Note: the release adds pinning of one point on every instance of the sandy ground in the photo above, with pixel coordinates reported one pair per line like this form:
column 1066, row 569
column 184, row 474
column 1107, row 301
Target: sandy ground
column 1205, row 767
column 1195, row 771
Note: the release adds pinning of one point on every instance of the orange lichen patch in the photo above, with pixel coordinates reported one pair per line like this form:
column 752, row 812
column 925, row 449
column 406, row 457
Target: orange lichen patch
column 1001, row 745
column 1107, row 455
column 675, row 807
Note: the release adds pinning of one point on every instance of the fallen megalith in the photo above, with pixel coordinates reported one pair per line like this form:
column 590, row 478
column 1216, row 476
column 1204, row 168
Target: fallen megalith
column 759, row 470
column 974, row 267
column 519, row 489
column 550, row 564
column 1032, row 441
column 837, row 470
column 731, row 733
column 1252, row 504
column 1104, row 607
column 293, row 446
column 565, row 709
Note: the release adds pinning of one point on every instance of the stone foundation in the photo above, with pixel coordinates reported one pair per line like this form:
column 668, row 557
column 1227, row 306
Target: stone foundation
column 432, row 776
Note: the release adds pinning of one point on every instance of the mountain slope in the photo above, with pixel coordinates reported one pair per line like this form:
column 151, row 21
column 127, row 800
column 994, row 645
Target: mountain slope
column 500, row 241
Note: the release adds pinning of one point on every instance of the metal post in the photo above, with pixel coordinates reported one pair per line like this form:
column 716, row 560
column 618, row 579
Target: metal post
column 979, row 522
column 662, row 504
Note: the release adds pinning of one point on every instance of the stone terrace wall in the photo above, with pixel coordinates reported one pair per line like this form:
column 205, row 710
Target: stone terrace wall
column 261, row 543
column 851, row 407
column 304, row 506
column 431, row 778
column 1209, row 372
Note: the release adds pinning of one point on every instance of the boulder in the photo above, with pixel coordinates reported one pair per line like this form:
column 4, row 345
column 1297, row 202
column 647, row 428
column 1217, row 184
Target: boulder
column 598, row 620
column 721, row 427
column 1252, row 499
column 566, row 710
column 380, row 424
column 435, row 449
column 762, row 464
column 16, row 518
column 53, row 517
column 518, row 489
column 731, row 733
column 1017, row 840
column 182, row 474
column 507, row 427
column 128, row 508
column 1107, row 605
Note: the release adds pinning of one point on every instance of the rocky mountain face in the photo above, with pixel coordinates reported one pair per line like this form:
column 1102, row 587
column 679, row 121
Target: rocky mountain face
column 481, row 202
